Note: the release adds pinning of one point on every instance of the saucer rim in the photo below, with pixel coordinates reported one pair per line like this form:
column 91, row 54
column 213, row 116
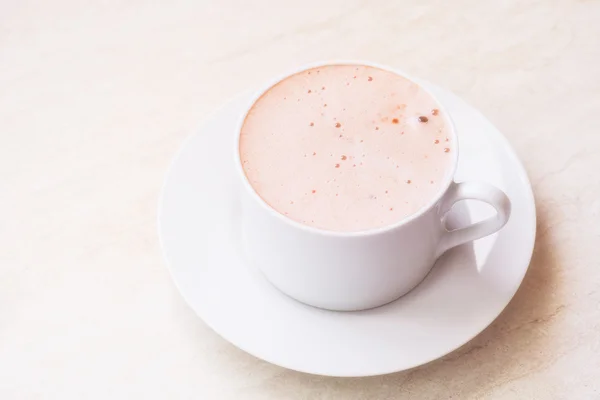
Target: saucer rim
column 526, row 192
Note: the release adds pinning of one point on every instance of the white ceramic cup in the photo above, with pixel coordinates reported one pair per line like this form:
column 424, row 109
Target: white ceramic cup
column 349, row 271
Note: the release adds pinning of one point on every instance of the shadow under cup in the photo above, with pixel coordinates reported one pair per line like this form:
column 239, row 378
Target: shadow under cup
column 348, row 271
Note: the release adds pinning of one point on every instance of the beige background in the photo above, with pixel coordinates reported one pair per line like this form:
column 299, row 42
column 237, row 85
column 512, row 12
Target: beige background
column 96, row 98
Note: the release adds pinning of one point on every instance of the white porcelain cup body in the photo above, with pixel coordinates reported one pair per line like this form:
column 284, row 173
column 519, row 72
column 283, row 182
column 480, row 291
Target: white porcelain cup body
column 349, row 271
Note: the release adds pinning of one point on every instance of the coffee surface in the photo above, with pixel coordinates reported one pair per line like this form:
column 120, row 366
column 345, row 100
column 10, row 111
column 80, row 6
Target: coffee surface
column 346, row 148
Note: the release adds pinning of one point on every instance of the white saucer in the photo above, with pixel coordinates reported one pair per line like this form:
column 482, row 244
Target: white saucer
column 466, row 290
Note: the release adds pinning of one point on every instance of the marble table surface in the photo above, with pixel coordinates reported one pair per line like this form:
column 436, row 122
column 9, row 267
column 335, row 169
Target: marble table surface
column 96, row 98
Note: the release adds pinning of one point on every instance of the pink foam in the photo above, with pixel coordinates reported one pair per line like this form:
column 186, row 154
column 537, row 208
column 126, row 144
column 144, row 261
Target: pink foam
column 343, row 148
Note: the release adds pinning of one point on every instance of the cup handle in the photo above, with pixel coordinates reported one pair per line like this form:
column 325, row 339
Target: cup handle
column 473, row 191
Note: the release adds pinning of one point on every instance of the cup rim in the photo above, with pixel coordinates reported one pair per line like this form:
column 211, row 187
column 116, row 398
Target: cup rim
column 449, row 178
